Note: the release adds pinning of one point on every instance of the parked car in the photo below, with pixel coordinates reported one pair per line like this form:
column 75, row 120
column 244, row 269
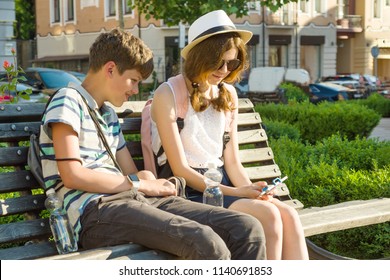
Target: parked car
column 330, row 92
column 352, row 81
column 48, row 79
column 242, row 88
column 78, row 75
column 36, row 95
column 268, row 79
column 375, row 84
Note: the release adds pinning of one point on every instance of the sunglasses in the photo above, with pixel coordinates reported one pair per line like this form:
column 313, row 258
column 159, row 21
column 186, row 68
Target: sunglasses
column 230, row 64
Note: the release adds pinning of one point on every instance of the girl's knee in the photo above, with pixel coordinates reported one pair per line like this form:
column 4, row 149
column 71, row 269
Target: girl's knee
column 272, row 213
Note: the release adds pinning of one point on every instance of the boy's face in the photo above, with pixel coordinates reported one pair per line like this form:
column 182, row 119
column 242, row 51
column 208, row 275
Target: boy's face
column 124, row 86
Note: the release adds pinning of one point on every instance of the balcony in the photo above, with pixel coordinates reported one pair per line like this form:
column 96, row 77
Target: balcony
column 351, row 23
column 348, row 26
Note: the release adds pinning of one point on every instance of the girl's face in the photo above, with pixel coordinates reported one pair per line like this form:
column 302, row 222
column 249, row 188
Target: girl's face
column 229, row 60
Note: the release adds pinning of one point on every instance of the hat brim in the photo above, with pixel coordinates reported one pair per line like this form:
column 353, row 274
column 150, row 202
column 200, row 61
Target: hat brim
column 244, row 34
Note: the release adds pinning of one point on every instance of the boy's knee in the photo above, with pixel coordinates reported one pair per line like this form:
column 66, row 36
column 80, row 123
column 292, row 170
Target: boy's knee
column 253, row 229
column 209, row 245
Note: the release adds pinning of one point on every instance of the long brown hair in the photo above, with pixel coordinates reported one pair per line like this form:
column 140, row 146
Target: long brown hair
column 203, row 59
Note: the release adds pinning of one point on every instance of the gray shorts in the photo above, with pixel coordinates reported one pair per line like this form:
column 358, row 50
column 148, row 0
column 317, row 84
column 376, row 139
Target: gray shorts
column 178, row 226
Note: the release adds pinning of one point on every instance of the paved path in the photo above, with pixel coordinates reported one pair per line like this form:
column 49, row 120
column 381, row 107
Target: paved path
column 382, row 130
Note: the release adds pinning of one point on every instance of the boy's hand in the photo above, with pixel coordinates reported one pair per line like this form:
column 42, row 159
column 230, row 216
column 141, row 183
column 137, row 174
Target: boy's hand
column 159, row 187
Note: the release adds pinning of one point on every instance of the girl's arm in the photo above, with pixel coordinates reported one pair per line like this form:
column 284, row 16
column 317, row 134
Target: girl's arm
column 164, row 114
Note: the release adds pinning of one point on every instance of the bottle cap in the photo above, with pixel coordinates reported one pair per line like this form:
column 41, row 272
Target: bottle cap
column 212, row 165
column 50, row 191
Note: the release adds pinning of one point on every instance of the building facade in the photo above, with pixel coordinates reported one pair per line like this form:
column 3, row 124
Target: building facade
column 7, row 39
column 323, row 37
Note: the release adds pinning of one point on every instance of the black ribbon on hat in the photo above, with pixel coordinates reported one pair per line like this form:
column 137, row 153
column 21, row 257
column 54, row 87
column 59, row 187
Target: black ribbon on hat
column 215, row 30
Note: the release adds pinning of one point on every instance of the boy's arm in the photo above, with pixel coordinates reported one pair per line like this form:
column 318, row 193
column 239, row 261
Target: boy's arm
column 75, row 176
column 126, row 161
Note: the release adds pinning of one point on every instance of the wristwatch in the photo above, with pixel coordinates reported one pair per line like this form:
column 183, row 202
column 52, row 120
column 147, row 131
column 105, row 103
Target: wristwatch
column 135, row 181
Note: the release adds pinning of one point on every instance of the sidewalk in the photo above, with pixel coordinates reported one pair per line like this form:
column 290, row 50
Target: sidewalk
column 382, row 130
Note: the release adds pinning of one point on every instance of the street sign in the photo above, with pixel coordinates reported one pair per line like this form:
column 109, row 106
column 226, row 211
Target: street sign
column 375, row 51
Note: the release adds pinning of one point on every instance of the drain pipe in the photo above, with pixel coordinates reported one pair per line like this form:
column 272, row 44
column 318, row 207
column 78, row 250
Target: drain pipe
column 263, row 11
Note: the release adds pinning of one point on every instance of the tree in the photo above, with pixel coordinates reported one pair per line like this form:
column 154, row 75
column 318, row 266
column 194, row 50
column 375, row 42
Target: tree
column 187, row 11
column 25, row 19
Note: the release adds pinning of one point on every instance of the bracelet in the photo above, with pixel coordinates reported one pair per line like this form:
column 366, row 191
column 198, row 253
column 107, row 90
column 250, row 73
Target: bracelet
column 69, row 159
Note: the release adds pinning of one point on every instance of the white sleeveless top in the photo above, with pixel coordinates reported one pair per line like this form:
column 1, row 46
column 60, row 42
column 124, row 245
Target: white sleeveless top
column 202, row 136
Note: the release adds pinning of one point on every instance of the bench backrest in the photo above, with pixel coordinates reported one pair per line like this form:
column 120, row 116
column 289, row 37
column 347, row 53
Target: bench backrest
column 22, row 200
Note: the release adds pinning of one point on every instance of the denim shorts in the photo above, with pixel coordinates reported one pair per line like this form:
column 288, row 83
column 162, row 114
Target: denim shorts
column 197, row 196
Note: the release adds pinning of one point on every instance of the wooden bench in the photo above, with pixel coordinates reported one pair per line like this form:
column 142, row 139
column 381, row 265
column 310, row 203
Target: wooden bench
column 27, row 236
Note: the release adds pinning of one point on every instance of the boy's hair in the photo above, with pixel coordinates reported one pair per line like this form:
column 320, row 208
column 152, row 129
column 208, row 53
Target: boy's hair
column 205, row 57
column 127, row 51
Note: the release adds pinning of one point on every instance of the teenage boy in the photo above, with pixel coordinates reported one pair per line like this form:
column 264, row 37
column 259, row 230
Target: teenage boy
column 107, row 206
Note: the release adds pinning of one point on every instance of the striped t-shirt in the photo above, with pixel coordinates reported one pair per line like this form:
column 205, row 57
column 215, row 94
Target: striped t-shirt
column 68, row 107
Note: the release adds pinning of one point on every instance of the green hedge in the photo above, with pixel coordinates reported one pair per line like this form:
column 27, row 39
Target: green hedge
column 335, row 169
column 316, row 122
column 324, row 151
column 376, row 102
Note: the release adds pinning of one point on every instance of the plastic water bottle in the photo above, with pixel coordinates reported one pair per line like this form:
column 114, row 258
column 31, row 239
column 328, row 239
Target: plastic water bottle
column 59, row 223
column 213, row 195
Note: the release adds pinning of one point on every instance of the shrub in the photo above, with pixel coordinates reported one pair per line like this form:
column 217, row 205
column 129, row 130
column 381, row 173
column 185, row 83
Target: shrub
column 376, row 102
column 336, row 170
column 277, row 129
column 294, row 93
column 316, row 122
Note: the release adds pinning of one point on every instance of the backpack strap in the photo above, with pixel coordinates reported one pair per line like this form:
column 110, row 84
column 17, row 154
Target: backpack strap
column 146, row 139
column 180, row 93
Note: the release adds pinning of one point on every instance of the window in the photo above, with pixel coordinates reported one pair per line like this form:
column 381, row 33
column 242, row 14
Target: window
column 377, row 13
column 127, row 7
column 304, row 6
column 56, row 11
column 111, row 8
column 278, row 56
column 253, row 6
column 346, row 7
column 69, row 9
column 319, row 7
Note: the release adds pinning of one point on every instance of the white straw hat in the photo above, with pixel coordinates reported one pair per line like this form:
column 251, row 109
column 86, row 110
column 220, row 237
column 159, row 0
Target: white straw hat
column 216, row 22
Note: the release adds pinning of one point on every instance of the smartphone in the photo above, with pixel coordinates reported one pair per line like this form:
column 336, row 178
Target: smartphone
column 267, row 189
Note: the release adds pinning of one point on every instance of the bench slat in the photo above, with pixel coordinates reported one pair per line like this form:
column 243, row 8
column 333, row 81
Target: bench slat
column 351, row 214
column 12, row 156
column 246, row 119
column 251, row 136
column 25, row 230
column 256, row 155
column 17, row 181
column 245, row 105
column 21, row 112
column 124, row 251
column 29, row 252
column 18, row 131
column 130, row 125
column 19, row 205
column 263, row 172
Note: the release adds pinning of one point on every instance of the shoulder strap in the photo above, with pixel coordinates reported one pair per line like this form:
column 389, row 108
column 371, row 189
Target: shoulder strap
column 96, row 122
column 94, row 117
column 229, row 115
column 146, row 139
column 180, row 93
